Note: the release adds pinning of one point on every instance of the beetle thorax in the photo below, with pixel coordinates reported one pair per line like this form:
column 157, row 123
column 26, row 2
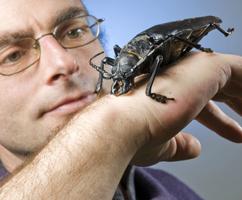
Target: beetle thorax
column 125, row 64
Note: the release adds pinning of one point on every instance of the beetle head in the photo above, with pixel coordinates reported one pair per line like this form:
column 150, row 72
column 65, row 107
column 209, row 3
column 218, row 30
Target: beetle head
column 123, row 73
column 124, row 66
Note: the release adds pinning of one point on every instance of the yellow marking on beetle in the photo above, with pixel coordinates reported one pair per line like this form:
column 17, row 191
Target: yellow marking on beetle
column 134, row 54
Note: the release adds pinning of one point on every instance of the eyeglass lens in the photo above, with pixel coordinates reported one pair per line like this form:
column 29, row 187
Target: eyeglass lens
column 73, row 33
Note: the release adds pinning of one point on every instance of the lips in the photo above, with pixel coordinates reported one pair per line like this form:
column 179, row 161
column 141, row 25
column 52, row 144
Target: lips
column 70, row 105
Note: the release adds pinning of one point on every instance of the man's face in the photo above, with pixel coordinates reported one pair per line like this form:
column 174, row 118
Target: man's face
column 35, row 103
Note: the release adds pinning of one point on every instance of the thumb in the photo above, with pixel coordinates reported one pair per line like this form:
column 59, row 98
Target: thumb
column 182, row 147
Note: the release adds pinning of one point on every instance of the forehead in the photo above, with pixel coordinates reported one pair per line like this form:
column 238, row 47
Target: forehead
column 23, row 14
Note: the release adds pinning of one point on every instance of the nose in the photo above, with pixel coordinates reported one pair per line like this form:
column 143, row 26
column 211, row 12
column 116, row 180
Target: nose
column 57, row 63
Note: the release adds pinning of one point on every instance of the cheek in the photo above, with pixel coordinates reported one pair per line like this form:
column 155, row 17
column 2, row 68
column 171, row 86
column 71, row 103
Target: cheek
column 83, row 55
column 13, row 97
column 19, row 129
column 13, row 106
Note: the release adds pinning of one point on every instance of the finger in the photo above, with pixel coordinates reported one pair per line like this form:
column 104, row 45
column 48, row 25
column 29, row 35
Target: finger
column 182, row 147
column 236, row 66
column 232, row 101
column 233, row 89
column 235, row 104
column 215, row 119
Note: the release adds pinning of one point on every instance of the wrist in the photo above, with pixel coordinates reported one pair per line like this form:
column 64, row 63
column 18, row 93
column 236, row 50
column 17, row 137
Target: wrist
column 118, row 117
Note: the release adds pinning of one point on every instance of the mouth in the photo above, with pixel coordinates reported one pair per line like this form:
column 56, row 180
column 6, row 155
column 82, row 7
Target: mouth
column 117, row 87
column 71, row 105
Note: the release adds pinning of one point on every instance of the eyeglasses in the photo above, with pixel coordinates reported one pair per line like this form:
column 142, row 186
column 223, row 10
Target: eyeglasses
column 21, row 54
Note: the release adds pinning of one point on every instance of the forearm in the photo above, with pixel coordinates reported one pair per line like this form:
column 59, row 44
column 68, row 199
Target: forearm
column 84, row 161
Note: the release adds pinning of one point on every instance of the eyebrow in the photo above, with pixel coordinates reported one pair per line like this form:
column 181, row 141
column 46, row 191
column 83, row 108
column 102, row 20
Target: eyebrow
column 9, row 37
column 66, row 14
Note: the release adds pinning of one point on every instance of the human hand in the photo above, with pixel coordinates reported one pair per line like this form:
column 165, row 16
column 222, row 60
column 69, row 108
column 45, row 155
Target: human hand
column 231, row 95
column 193, row 82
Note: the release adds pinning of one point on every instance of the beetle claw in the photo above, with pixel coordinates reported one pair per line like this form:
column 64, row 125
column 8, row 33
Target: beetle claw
column 208, row 50
column 160, row 98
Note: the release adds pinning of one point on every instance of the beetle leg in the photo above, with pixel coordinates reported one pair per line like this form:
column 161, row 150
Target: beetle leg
column 100, row 69
column 195, row 45
column 108, row 60
column 100, row 80
column 102, row 73
column 225, row 33
column 158, row 97
column 146, row 57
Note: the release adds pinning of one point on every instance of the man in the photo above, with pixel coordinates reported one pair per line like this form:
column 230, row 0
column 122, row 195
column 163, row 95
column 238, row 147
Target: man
column 67, row 151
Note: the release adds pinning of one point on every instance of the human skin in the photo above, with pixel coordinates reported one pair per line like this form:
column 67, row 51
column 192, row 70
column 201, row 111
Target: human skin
column 92, row 151
column 26, row 98
column 94, row 155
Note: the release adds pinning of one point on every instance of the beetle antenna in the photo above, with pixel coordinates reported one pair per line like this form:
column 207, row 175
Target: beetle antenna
column 92, row 58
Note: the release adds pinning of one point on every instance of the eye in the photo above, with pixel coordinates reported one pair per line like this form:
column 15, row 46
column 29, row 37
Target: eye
column 12, row 57
column 75, row 33
column 15, row 56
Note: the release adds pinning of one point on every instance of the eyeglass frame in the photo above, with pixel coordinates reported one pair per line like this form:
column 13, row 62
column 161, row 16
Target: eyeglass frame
column 36, row 43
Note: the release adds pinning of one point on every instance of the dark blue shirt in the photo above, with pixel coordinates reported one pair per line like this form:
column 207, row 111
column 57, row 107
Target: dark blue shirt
column 152, row 184
column 146, row 184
